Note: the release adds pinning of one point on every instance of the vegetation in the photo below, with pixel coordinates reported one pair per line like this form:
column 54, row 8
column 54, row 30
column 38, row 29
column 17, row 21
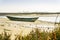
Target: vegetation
column 34, row 35
column 57, row 31
column 5, row 36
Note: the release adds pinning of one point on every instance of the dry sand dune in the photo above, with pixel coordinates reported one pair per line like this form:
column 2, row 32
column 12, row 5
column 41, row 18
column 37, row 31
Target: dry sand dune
column 18, row 25
column 22, row 28
column 14, row 26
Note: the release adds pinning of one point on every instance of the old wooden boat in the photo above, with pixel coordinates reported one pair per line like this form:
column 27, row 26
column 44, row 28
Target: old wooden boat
column 19, row 18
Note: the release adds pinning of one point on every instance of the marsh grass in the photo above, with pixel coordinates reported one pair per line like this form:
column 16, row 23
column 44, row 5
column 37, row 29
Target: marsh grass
column 34, row 35
column 57, row 33
column 5, row 36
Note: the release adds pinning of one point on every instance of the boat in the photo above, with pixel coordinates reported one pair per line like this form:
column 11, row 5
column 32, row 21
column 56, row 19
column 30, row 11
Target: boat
column 27, row 19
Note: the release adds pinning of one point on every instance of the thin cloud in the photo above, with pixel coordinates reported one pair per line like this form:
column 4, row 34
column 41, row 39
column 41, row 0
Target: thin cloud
column 29, row 6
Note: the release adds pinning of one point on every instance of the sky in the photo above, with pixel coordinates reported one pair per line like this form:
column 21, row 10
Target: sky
column 29, row 5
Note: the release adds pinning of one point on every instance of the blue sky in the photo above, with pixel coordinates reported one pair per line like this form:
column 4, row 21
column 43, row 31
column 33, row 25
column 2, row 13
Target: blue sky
column 29, row 5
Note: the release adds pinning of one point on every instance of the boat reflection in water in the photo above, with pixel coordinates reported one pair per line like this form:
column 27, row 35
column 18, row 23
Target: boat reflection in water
column 27, row 19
